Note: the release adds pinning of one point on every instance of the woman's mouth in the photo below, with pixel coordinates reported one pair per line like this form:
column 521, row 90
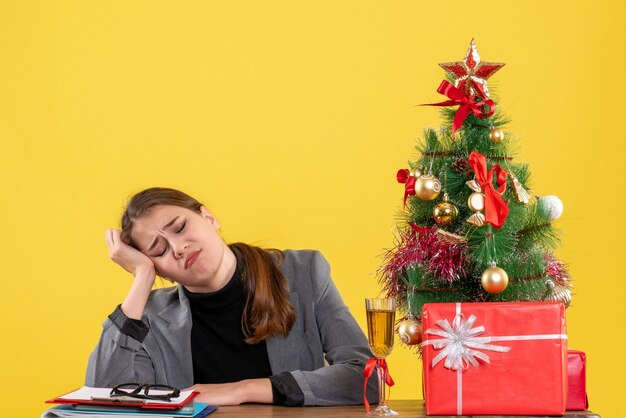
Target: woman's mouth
column 192, row 259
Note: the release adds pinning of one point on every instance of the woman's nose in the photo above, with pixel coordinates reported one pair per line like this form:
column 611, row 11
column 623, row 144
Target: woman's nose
column 179, row 249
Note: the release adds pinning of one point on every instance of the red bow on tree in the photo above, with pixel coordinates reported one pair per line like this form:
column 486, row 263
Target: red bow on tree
column 369, row 370
column 467, row 104
column 404, row 176
column 496, row 209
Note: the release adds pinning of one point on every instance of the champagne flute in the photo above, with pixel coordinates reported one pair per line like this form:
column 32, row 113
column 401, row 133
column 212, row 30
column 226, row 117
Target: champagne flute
column 381, row 316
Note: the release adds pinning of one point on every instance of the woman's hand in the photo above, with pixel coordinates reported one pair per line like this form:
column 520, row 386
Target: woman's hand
column 250, row 390
column 131, row 259
column 139, row 265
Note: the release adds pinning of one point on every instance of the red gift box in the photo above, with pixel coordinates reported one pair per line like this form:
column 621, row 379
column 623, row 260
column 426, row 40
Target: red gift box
column 577, row 388
column 494, row 358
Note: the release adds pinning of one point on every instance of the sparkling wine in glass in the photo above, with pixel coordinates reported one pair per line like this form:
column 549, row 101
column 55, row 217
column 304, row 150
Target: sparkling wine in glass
column 381, row 316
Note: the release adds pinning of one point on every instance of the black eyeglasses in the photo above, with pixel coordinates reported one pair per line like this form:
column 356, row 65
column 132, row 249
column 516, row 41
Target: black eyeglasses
column 145, row 391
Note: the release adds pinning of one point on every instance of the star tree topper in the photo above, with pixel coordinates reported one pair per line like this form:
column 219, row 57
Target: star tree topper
column 471, row 74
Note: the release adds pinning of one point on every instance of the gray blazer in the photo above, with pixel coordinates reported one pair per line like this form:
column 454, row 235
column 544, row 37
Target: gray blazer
column 324, row 329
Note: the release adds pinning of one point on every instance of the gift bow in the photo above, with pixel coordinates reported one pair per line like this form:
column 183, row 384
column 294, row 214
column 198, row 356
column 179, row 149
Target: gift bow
column 460, row 343
column 496, row 209
column 369, row 370
column 404, row 176
column 467, row 104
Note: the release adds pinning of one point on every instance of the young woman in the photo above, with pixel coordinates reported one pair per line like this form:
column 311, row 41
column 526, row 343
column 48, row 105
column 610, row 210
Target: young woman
column 242, row 325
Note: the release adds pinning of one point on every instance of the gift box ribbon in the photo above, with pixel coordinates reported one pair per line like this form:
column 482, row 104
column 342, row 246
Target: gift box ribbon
column 460, row 346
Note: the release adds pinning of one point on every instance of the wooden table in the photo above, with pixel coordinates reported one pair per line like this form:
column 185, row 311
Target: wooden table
column 409, row 409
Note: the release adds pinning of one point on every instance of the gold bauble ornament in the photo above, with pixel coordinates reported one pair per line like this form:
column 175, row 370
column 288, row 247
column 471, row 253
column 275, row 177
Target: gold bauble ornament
column 494, row 280
column 410, row 331
column 445, row 212
column 476, row 202
column 427, row 187
column 496, row 135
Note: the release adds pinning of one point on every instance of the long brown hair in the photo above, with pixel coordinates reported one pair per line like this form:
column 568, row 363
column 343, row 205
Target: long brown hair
column 267, row 310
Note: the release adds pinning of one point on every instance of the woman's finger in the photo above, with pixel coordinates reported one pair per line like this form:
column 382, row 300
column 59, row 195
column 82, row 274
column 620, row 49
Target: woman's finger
column 116, row 235
column 109, row 239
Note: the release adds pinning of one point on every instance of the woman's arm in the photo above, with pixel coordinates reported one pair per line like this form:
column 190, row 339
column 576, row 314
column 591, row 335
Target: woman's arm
column 244, row 391
column 343, row 342
column 119, row 356
column 135, row 301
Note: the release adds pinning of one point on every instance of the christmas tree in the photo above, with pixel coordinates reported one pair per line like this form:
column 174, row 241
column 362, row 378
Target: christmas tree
column 471, row 229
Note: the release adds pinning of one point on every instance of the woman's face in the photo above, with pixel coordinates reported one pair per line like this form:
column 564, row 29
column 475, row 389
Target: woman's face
column 185, row 247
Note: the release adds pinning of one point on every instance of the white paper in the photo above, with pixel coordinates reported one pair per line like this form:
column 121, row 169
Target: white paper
column 86, row 393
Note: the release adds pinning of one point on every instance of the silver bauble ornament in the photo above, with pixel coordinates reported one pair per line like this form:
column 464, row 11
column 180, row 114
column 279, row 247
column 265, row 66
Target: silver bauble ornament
column 551, row 206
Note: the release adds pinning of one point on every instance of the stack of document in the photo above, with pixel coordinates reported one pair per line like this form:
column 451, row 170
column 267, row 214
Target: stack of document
column 88, row 402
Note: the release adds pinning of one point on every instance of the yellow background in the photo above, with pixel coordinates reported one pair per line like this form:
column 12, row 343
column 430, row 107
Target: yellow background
column 289, row 120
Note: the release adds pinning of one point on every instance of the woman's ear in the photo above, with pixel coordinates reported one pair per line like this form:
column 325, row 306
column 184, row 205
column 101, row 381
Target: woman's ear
column 209, row 217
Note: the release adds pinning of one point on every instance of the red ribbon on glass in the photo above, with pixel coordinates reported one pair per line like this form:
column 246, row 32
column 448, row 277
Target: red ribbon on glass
column 496, row 209
column 404, row 176
column 369, row 370
column 467, row 104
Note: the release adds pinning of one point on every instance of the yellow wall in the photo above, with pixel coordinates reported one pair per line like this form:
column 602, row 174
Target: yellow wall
column 289, row 119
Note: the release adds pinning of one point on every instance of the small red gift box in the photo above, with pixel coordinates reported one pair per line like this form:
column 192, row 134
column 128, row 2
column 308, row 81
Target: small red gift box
column 577, row 390
column 494, row 358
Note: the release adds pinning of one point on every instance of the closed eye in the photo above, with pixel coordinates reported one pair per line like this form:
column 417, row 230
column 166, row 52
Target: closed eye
column 181, row 227
column 165, row 247
column 163, row 253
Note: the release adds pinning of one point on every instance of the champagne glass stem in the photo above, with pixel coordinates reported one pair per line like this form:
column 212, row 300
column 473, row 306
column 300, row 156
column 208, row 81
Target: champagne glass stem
column 382, row 387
